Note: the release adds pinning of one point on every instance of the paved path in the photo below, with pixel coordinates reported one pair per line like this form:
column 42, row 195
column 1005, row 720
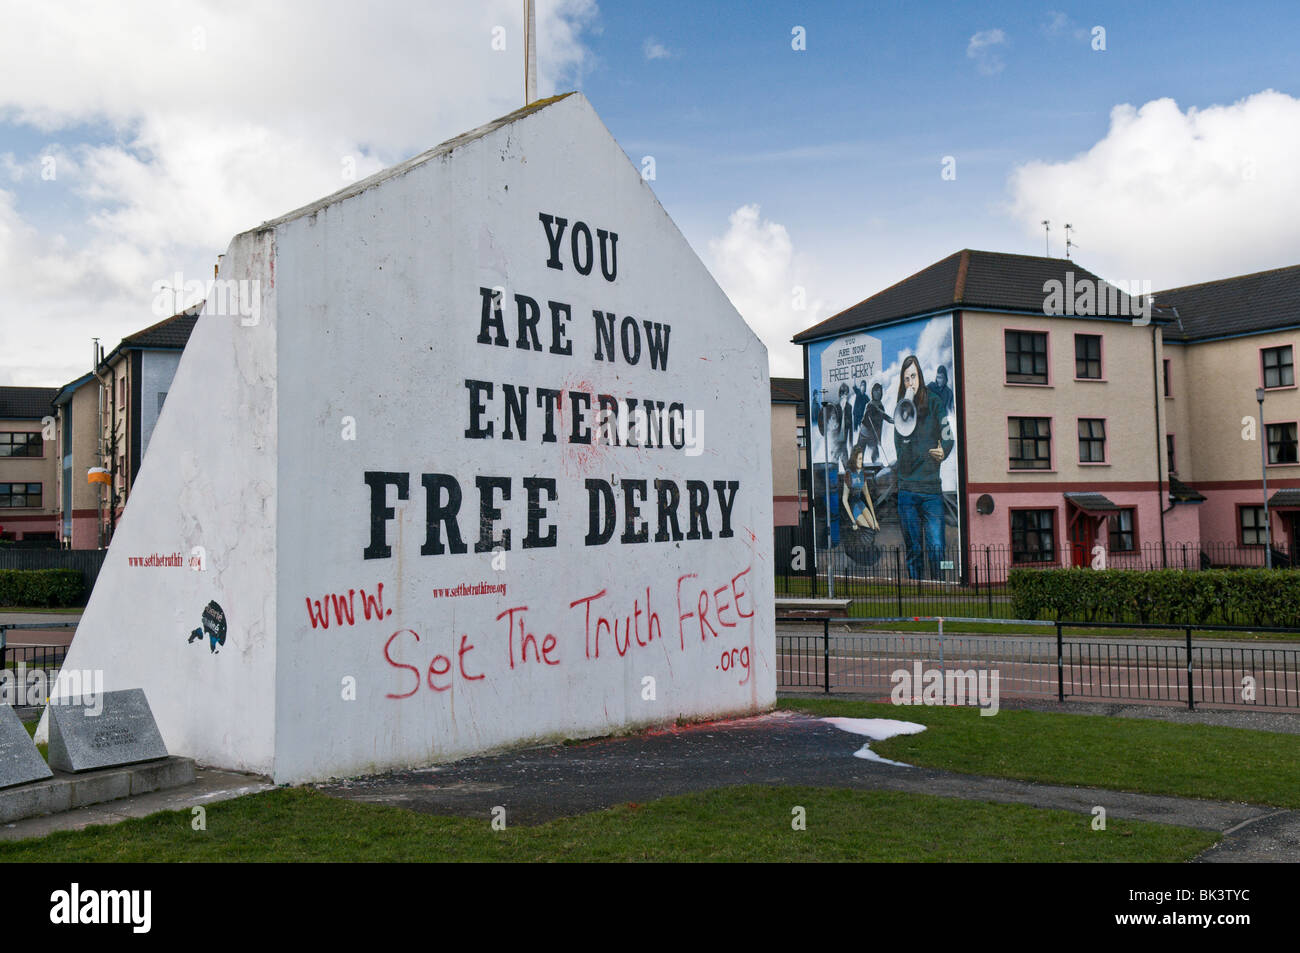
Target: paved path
column 209, row 787
column 782, row 748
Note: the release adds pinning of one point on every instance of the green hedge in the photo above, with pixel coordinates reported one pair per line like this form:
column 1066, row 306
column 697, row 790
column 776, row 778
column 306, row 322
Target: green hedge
column 41, row 587
column 1259, row 597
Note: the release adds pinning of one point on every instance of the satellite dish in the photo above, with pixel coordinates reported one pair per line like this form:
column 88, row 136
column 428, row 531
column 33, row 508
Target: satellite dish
column 905, row 415
column 984, row 505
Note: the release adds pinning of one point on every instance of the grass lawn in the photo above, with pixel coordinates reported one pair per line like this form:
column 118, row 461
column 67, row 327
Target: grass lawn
column 730, row 824
column 1122, row 754
column 31, row 733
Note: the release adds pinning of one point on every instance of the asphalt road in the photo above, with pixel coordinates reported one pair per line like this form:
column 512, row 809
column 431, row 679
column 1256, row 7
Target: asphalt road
column 58, row 636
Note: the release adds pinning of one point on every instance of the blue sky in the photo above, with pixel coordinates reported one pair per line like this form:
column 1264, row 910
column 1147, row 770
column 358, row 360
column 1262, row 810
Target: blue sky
column 175, row 125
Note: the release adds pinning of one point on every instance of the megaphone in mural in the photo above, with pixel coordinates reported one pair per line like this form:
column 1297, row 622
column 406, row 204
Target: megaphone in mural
column 905, row 414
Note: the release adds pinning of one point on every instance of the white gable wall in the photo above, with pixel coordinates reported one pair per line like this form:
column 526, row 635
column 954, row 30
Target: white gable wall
column 207, row 481
column 368, row 330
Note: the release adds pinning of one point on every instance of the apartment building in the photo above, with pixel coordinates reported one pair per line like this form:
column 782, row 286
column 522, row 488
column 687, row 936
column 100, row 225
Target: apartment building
column 80, row 502
column 1023, row 406
column 134, row 379
column 789, row 438
column 28, row 465
column 1230, row 348
column 52, row 437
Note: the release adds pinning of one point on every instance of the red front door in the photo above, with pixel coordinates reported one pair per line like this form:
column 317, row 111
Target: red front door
column 1083, row 536
column 1291, row 520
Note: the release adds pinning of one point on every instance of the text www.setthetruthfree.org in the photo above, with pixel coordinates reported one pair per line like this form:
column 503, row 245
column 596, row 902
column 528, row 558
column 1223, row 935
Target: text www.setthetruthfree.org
column 471, row 589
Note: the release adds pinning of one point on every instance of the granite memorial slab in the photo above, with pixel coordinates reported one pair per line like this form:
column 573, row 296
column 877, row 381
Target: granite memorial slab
column 20, row 762
column 116, row 728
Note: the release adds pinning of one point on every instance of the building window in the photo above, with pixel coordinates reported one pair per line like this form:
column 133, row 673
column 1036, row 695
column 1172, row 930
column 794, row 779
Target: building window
column 1122, row 538
column 20, row 495
column 1092, row 440
column 801, row 436
column 1251, row 525
column 1169, row 453
column 1033, row 538
column 121, row 390
column 1281, row 443
column 799, row 411
column 1168, row 390
column 21, row 445
column 803, row 480
column 1029, row 443
column 1087, row 356
column 1026, row 357
column 1278, row 368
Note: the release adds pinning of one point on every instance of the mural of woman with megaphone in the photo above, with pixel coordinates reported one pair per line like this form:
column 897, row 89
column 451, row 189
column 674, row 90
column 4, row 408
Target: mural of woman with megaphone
column 921, row 443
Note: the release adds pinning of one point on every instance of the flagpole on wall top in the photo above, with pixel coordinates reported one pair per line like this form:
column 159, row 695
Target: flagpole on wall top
column 530, row 53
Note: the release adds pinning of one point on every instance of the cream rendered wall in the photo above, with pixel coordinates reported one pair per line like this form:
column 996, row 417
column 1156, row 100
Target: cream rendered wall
column 1223, row 376
column 787, row 459
column 1123, row 398
column 43, row 470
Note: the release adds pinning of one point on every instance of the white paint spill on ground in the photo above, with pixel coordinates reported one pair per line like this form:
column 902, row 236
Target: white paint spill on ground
column 877, row 729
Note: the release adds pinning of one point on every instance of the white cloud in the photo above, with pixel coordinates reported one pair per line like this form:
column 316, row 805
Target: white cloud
column 983, row 49
column 1177, row 197
column 755, row 264
column 654, row 50
column 1059, row 24
column 210, row 119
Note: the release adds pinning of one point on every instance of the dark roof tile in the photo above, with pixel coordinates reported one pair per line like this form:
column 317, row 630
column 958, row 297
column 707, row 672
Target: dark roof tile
column 788, row 390
column 171, row 332
column 967, row 279
column 26, row 403
column 1247, row 304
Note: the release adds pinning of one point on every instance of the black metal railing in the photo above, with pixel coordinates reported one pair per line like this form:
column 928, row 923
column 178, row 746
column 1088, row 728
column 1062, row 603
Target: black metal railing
column 20, row 664
column 827, row 655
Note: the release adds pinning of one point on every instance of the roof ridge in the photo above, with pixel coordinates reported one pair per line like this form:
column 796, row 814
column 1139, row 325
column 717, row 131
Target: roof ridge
column 962, row 267
column 1220, row 281
column 187, row 313
column 902, row 281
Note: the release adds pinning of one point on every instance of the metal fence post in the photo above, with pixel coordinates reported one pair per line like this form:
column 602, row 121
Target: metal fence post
column 826, row 652
column 988, row 580
column 1060, row 666
column 1191, row 702
column 898, row 579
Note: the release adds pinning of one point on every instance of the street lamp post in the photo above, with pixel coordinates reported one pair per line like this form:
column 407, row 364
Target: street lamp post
column 1263, row 469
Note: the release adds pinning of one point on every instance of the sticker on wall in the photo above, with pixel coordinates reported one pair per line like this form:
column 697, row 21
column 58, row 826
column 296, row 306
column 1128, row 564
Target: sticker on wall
column 214, row 626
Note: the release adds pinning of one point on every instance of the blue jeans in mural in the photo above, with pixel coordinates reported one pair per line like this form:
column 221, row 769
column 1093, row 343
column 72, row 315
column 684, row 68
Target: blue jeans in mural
column 913, row 509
